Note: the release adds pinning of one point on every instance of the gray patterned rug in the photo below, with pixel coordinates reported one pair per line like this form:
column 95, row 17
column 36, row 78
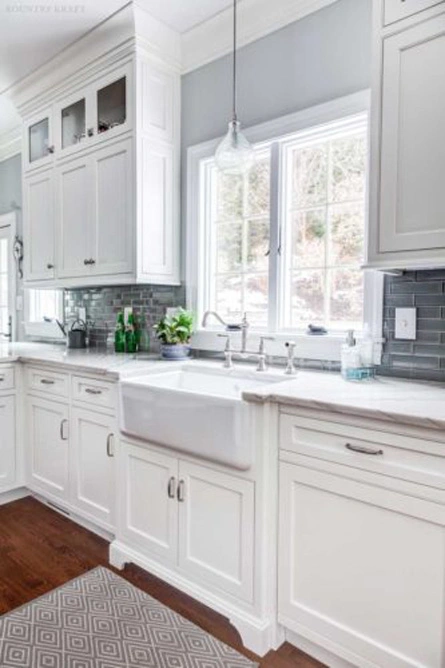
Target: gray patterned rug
column 100, row 620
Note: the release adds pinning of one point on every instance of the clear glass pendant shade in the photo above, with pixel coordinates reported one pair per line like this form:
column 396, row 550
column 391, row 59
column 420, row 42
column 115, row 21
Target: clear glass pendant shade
column 235, row 155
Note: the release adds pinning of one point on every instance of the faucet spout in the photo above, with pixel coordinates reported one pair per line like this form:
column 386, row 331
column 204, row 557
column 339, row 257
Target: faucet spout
column 207, row 314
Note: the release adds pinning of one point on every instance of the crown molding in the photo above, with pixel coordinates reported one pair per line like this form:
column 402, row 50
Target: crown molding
column 10, row 143
column 212, row 39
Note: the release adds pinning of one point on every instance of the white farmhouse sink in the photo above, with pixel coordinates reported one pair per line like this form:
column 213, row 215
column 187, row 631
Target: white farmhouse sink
column 193, row 408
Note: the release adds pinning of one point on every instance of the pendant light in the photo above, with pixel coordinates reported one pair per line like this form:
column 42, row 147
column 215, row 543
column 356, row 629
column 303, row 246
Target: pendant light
column 235, row 154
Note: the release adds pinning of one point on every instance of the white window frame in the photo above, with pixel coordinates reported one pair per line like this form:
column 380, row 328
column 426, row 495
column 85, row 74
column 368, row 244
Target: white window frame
column 308, row 347
column 40, row 329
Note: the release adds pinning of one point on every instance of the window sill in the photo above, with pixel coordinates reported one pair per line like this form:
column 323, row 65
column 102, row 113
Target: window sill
column 44, row 330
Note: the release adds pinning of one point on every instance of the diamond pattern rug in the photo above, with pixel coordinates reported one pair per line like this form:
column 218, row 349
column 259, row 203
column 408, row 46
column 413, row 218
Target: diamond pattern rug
column 100, row 620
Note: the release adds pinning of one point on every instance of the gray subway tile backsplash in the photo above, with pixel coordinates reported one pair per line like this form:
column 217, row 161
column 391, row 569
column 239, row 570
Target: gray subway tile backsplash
column 424, row 358
column 103, row 304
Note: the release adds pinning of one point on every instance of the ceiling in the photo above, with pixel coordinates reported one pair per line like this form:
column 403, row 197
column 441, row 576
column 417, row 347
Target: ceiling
column 32, row 32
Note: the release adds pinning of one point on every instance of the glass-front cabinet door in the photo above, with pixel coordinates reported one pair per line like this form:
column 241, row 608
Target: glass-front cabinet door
column 38, row 139
column 73, row 124
column 111, row 101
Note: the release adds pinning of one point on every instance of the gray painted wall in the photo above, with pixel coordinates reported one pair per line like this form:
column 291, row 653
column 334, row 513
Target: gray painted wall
column 321, row 57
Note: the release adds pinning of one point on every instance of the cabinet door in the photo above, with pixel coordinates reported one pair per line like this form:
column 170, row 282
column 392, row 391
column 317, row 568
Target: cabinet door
column 363, row 568
column 74, row 219
column 113, row 224
column 412, row 194
column 70, row 119
column 395, row 10
column 216, row 529
column 38, row 141
column 149, row 512
column 158, row 197
column 110, row 100
column 7, row 442
column 48, row 433
column 92, row 465
column 38, row 224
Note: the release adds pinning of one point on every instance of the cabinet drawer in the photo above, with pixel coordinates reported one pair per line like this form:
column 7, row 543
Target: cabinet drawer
column 7, row 377
column 47, row 382
column 395, row 10
column 94, row 392
column 392, row 455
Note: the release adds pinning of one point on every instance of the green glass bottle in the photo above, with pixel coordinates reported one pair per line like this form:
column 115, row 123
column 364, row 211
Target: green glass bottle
column 119, row 334
column 130, row 335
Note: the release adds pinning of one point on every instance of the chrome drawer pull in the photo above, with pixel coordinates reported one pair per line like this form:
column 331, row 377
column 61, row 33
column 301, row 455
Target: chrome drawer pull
column 110, row 452
column 89, row 390
column 181, row 497
column 362, row 450
column 45, row 381
column 171, row 487
column 62, row 430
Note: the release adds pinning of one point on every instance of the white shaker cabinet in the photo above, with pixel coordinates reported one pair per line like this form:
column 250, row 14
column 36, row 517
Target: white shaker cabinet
column 216, row 528
column 361, row 569
column 74, row 217
column 48, row 434
column 7, row 441
column 407, row 221
column 91, row 465
column 94, row 205
column 149, row 508
column 39, row 225
column 197, row 519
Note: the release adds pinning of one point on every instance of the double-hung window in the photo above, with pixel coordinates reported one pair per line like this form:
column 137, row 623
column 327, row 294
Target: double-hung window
column 285, row 243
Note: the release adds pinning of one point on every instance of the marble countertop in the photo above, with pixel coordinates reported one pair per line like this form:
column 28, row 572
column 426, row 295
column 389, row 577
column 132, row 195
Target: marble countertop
column 109, row 364
column 420, row 404
column 412, row 403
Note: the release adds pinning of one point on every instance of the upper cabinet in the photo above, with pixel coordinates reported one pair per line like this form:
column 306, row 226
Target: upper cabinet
column 407, row 209
column 395, row 10
column 101, row 166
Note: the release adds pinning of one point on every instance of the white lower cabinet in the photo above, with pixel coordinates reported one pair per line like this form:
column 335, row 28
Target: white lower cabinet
column 150, row 508
column 216, row 528
column 48, row 433
column 7, row 442
column 361, row 569
column 195, row 518
column 92, row 466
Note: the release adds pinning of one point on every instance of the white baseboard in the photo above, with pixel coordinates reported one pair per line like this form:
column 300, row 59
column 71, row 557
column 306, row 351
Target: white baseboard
column 316, row 651
column 13, row 495
column 258, row 634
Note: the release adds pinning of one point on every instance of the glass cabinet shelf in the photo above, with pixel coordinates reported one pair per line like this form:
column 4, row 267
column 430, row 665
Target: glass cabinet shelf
column 38, row 140
column 111, row 105
column 73, row 123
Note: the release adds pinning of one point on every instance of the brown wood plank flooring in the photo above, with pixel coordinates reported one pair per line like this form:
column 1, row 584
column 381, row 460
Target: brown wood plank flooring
column 40, row 550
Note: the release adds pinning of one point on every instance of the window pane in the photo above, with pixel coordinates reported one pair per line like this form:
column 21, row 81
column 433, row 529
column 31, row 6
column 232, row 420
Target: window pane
column 229, row 298
column 229, row 196
column 346, row 296
column 309, row 238
column 256, row 297
column 310, row 169
column 347, row 224
column 43, row 304
column 257, row 244
column 349, row 168
column 229, row 247
column 259, row 188
column 308, row 298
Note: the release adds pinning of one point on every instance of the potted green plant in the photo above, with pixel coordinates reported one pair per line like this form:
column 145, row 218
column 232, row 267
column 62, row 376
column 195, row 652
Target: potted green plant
column 174, row 332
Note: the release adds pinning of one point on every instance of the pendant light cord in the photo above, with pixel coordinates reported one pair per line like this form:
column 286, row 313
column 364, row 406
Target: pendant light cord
column 234, row 60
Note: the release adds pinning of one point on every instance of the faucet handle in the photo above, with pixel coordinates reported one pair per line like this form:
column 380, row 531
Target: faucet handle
column 290, row 368
column 228, row 340
column 262, row 348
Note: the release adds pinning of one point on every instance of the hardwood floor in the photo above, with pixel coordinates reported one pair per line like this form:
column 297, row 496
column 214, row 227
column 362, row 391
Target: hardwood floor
column 40, row 549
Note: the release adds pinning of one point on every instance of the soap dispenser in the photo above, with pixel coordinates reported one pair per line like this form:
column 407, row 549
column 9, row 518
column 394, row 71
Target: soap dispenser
column 350, row 358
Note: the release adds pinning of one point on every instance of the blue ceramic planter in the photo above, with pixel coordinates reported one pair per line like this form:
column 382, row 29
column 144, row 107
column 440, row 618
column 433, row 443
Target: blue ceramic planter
column 175, row 351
